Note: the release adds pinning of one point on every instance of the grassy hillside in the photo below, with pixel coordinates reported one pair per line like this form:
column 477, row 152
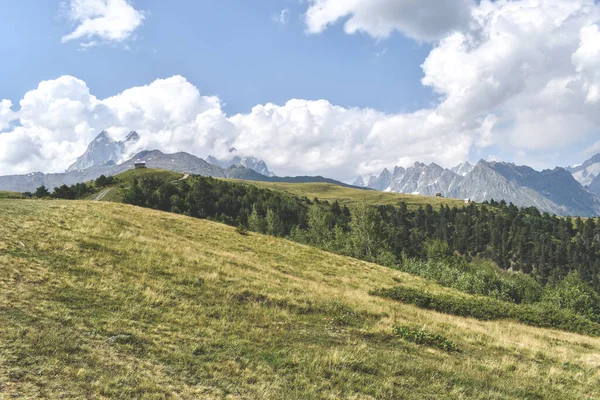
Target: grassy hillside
column 324, row 191
column 10, row 195
column 102, row 300
column 114, row 193
column 331, row 192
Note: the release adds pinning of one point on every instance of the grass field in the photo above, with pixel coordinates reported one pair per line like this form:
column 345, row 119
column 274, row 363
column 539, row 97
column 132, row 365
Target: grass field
column 10, row 195
column 331, row 192
column 103, row 300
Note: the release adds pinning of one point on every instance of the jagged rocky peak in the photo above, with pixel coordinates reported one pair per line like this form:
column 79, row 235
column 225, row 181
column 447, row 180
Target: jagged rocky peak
column 101, row 150
column 132, row 136
column 382, row 182
column 399, row 170
column 104, row 150
column 435, row 167
column 364, row 180
column 385, row 174
column 103, row 137
column 463, row 169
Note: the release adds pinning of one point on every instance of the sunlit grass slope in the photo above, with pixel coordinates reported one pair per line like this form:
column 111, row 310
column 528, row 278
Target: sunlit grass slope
column 10, row 195
column 345, row 195
column 103, row 300
column 123, row 181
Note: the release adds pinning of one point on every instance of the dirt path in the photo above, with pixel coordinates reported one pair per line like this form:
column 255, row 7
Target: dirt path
column 102, row 194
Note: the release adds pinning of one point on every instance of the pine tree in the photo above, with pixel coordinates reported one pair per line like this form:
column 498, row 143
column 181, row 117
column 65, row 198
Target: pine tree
column 41, row 192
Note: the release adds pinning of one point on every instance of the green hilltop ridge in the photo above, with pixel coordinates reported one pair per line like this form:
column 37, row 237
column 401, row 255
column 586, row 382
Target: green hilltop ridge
column 113, row 301
column 349, row 195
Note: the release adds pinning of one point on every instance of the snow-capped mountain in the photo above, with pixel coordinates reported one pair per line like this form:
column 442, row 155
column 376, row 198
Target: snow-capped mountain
column 554, row 191
column 423, row 179
column 419, row 179
column 586, row 172
column 103, row 150
column 252, row 163
column 104, row 155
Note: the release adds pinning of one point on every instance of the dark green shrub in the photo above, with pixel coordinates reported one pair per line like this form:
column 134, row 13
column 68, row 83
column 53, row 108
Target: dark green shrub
column 478, row 277
column 573, row 294
column 242, row 230
column 539, row 315
column 422, row 337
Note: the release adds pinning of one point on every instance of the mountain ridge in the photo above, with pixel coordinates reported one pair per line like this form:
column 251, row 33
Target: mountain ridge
column 555, row 191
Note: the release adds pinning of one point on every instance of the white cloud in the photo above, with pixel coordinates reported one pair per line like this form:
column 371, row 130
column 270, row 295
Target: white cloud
column 519, row 75
column 593, row 149
column 418, row 19
column 102, row 20
column 60, row 117
column 282, row 17
column 6, row 114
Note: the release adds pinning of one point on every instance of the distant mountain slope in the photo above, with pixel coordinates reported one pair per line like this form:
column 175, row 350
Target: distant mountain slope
column 554, row 191
column 179, row 162
column 427, row 180
column 594, row 187
column 252, row 163
column 586, row 172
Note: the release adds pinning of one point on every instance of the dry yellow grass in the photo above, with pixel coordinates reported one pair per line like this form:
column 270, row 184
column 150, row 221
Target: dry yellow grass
column 101, row 300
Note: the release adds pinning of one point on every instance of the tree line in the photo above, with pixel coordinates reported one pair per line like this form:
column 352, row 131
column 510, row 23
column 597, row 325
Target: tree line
column 542, row 245
column 77, row 191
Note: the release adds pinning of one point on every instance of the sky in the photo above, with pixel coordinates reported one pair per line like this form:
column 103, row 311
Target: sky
column 337, row 88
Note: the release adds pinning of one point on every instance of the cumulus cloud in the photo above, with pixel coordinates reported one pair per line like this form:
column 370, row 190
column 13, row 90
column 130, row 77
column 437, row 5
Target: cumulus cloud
column 60, row 117
column 102, row 20
column 519, row 77
column 418, row 19
column 6, row 114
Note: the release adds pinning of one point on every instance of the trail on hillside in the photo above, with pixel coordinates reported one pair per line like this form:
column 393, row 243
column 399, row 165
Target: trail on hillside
column 102, row 194
column 183, row 178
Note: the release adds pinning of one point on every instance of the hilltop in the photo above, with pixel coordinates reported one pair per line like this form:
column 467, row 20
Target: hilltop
column 350, row 195
column 345, row 195
column 110, row 300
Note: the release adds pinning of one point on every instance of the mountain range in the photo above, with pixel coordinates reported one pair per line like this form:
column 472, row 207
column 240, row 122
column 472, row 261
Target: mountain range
column 252, row 163
column 563, row 191
column 572, row 191
column 105, row 156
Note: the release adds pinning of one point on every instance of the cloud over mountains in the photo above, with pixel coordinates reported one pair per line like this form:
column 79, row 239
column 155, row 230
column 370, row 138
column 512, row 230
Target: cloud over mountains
column 519, row 76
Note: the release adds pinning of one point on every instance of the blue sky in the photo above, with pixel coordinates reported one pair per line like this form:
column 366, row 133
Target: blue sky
column 313, row 87
column 229, row 48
